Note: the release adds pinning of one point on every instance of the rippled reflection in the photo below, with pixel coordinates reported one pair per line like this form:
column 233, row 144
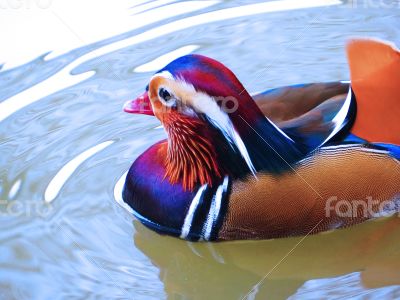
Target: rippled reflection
column 345, row 263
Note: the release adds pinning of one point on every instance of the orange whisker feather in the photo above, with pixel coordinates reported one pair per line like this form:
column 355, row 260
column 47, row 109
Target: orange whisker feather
column 191, row 156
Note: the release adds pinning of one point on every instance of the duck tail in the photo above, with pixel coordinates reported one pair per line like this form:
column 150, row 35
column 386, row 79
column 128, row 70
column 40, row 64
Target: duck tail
column 375, row 80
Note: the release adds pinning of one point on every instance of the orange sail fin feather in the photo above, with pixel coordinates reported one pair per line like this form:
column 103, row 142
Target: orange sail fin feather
column 197, row 154
column 191, row 156
column 375, row 79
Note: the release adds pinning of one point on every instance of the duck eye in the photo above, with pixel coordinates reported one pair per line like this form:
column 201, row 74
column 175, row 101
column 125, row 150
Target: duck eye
column 164, row 94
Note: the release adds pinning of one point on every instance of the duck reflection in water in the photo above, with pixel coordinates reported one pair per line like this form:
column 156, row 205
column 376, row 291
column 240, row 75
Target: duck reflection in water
column 274, row 269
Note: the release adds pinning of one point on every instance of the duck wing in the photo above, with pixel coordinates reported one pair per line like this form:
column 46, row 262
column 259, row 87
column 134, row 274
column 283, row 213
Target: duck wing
column 309, row 113
column 290, row 102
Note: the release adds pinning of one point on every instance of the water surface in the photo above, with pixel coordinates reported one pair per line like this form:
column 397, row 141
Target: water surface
column 65, row 142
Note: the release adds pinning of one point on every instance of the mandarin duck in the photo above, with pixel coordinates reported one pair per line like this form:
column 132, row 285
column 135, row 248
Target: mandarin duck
column 291, row 161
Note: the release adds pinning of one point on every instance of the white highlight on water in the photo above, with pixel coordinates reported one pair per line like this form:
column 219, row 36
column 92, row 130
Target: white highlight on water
column 61, row 26
column 163, row 60
column 68, row 169
column 14, row 189
column 64, row 79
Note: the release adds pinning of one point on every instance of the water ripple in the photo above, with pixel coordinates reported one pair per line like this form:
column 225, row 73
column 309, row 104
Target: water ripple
column 163, row 60
column 63, row 80
column 68, row 169
column 53, row 149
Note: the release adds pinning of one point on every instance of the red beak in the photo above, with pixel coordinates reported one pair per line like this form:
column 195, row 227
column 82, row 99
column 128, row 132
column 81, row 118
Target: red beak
column 141, row 105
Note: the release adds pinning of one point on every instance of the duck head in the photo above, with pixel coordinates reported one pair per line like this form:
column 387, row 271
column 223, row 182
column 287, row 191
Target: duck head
column 214, row 127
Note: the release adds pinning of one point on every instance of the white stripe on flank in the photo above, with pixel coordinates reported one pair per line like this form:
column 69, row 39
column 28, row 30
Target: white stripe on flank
column 189, row 216
column 214, row 209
